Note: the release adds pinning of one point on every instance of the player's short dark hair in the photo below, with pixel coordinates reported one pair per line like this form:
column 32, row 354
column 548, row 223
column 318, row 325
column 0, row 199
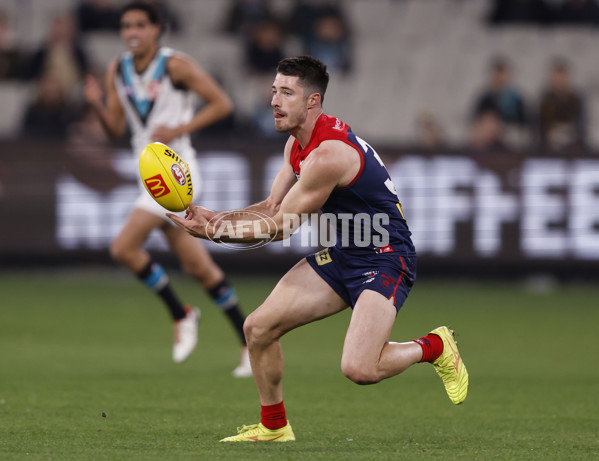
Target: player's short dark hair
column 312, row 73
column 149, row 8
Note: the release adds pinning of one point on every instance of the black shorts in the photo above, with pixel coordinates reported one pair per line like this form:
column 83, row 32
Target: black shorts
column 390, row 274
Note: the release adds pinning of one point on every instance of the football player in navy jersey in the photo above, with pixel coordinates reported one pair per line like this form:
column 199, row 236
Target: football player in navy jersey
column 150, row 88
column 371, row 267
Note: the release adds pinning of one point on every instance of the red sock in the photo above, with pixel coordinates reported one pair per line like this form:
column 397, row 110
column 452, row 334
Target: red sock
column 273, row 416
column 432, row 347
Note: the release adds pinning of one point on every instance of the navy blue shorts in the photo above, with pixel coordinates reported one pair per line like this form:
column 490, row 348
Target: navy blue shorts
column 389, row 274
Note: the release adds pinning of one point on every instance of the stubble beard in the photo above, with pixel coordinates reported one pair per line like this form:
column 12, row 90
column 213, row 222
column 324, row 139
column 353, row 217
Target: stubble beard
column 280, row 127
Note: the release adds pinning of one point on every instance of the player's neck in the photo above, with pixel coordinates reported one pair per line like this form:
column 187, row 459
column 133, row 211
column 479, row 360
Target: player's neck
column 303, row 133
column 142, row 61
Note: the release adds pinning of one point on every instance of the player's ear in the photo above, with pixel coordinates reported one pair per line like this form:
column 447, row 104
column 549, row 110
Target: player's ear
column 159, row 30
column 314, row 100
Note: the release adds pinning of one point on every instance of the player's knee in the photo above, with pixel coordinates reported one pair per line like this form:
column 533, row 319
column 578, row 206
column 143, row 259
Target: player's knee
column 360, row 374
column 118, row 251
column 248, row 328
column 252, row 329
column 256, row 332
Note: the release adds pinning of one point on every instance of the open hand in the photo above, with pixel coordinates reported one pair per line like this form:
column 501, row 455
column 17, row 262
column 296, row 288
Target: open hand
column 196, row 221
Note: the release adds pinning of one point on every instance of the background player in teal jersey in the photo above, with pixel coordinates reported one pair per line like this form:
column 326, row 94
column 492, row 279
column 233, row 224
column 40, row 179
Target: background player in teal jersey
column 149, row 88
column 328, row 168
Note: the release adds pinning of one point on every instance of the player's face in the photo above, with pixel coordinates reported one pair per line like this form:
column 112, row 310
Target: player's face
column 138, row 33
column 289, row 103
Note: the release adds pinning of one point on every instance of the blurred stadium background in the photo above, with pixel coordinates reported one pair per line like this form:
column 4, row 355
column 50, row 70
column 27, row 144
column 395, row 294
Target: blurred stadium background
column 504, row 203
column 85, row 350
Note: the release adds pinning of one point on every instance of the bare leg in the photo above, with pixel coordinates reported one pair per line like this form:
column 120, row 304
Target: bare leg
column 126, row 248
column 300, row 297
column 195, row 259
column 368, row 356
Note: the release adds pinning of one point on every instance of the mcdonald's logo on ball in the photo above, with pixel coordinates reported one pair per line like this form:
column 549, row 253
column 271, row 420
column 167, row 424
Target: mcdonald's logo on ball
column 166, row 176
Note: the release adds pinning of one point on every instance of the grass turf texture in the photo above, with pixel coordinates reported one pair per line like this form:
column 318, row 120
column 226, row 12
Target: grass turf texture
column 86, row 373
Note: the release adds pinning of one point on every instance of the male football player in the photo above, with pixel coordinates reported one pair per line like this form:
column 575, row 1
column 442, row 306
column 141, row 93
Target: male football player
column 327, row 167
column 149, row 87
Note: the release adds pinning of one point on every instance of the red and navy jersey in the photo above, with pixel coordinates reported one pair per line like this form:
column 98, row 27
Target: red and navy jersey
column 368, row 214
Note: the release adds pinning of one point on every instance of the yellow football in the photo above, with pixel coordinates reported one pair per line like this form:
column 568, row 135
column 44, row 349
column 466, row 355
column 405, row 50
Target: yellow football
column 166, row 176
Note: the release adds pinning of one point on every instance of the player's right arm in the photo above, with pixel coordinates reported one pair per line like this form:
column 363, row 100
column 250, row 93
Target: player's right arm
column 111, row 114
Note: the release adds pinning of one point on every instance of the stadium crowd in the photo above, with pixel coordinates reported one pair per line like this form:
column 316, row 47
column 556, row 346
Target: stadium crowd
column 501, row 116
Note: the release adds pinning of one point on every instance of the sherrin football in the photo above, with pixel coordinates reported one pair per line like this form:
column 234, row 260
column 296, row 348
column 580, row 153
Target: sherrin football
column 166, row 176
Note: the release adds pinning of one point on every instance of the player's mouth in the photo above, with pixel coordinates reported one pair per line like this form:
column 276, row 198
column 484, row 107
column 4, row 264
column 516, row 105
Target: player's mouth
column 133, row 42
column 278, row 115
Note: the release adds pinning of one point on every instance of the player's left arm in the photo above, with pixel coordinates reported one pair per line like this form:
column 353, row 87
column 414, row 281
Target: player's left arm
column 186, row 73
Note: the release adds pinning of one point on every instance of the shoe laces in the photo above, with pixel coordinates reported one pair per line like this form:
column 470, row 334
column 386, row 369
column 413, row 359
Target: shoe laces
column 448, row 365
column 244, row 428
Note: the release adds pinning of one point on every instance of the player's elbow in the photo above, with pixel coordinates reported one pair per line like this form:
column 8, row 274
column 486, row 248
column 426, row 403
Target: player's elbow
column 228, row 107
column 223, row 108
column 114, row 134
column 115, row 131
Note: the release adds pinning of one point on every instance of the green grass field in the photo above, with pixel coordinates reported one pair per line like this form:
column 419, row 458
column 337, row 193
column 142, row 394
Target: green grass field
column 75, row 346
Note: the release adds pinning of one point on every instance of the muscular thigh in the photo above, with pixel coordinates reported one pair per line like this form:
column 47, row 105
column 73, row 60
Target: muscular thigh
column 370, row 327
column 300, row 297
column 137, row 228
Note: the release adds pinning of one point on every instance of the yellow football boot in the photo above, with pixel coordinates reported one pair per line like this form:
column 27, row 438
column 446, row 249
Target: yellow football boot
column 450, row 367
column 260, row 433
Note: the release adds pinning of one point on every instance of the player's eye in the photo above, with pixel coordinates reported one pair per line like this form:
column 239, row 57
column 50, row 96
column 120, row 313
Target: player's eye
column 130, row 25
